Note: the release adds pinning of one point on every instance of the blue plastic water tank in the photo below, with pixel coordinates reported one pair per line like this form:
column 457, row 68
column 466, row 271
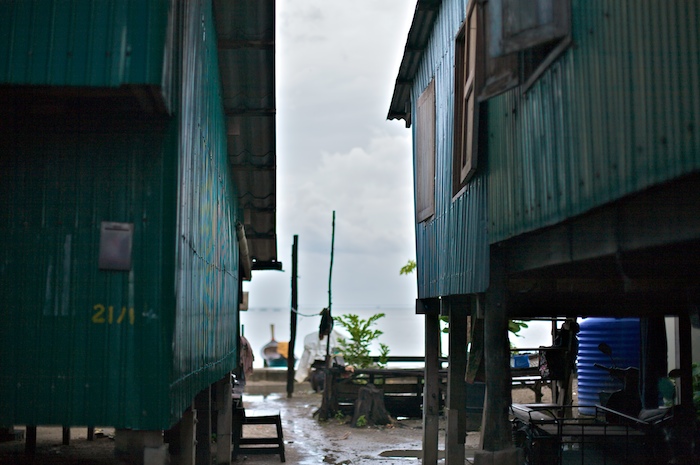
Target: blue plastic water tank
column 622, row 335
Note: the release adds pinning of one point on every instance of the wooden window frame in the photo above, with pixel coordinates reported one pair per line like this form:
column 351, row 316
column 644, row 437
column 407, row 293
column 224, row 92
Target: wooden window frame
column 425, row 154
column 469, row 69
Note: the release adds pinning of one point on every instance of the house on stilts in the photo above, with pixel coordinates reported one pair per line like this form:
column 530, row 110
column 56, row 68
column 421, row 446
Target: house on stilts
column 137, row 193
column 557, row 174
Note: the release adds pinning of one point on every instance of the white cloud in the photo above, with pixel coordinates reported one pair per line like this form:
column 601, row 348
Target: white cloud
column 369, row 188
column 336, row 67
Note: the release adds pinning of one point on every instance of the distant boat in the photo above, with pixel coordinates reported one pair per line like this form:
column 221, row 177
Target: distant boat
column 270, row 352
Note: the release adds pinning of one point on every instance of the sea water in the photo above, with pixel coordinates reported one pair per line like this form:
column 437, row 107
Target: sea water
column 403, row 329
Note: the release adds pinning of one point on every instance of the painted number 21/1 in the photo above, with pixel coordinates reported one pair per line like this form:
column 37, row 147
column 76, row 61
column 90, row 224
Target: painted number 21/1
column 102, row 315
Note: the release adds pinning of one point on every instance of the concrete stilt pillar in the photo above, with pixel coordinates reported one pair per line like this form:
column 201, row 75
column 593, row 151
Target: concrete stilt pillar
column 224, row 405
column 140, row 447
column 186, row 439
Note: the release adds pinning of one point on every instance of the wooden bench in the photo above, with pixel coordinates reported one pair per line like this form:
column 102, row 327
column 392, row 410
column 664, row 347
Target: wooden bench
column 403, row 389
column 530, row 378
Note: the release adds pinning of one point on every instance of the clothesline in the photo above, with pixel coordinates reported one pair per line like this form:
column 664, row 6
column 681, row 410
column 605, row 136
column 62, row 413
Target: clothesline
column 304, row 314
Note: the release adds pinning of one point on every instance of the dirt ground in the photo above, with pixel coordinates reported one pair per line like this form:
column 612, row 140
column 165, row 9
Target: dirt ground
column 307, row 441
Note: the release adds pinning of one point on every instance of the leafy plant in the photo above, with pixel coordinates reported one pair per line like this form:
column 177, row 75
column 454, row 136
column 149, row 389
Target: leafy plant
column 514, row 326
column 408, row 268
column 356, row 349
column 361, row 421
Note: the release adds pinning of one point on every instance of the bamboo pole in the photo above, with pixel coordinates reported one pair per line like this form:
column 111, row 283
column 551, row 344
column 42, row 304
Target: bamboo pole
column 292, row 319
column 326, row 410
column 330, row 279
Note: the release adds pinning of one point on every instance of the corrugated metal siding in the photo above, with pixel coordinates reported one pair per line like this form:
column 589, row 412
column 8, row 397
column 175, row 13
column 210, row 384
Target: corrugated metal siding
column 452, row 248
column 103, row 43
column 616, row 114
column 207, row 250
column 82, row 346
column 66, row 357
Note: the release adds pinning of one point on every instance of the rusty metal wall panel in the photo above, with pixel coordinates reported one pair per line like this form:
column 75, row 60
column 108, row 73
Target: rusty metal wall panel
column 452, row 248
column 616, row 114
column 102, row 43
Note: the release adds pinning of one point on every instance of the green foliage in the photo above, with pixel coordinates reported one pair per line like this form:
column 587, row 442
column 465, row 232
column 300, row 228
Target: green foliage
column 383, row 354
column 514, row 326
column 361, row 421
column 356, row 349
column 408, row 268
column 445, row 324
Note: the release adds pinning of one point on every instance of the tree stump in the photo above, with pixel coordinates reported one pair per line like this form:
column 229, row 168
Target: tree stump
column 370, row 405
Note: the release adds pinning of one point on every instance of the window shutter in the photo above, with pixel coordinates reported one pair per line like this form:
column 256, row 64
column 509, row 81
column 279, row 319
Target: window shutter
column 501, row 73
column 425, row 154
column 520, row 24
column 471, row 126
column 468, row 82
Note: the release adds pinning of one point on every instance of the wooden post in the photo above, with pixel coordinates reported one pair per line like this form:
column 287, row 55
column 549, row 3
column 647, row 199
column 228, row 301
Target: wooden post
column 431, row 388
column 66, row 435
column 30, row 440
column 329, row 403
column 496, row 430
column 456, row 413
column 293, row 319
column 202, row 404
column 686, row 414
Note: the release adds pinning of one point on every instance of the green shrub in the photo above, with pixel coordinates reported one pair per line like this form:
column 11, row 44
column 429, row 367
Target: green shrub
column 356, row 349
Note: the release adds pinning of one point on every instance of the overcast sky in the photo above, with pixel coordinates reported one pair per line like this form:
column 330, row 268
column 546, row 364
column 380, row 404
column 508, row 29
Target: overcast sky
column 337, row 63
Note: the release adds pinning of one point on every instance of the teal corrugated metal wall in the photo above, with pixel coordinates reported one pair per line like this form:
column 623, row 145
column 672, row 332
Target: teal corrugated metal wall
column 452, row 248
column 82, row 346
column 616, row 114
column 207, row 249
column 100, row 43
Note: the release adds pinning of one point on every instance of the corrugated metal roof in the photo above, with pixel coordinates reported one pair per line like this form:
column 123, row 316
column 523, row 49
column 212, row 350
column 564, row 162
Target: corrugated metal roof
column 418, row 37
column 246, row 42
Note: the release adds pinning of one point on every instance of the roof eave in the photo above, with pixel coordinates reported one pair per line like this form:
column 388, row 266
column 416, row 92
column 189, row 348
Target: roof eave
column 418, row 37
column 246, row 46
